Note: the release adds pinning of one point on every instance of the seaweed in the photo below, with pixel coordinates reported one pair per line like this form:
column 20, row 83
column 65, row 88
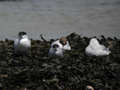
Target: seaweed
column 74, row 71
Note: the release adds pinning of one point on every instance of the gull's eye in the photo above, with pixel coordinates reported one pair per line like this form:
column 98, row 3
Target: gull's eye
column 55, row 46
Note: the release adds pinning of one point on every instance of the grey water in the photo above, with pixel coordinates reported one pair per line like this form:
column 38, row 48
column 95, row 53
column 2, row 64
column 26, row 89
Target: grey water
column 56, row 18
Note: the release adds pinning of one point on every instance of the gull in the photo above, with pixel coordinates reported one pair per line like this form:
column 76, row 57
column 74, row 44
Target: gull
column 58, row 47
column 22, row 44
column 96, row 49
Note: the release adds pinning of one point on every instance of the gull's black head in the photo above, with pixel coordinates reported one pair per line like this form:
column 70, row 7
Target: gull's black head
column 20, row 34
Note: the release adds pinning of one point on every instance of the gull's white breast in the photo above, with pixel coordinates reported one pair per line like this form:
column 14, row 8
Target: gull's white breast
column 22, row 45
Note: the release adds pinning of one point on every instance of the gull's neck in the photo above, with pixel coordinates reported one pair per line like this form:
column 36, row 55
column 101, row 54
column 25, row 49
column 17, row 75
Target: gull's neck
column 23, row 37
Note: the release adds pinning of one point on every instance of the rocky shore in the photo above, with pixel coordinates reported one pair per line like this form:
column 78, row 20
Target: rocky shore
column 74, row 71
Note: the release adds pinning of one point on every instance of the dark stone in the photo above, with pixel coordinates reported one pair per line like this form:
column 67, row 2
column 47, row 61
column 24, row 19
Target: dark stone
column 74, row 71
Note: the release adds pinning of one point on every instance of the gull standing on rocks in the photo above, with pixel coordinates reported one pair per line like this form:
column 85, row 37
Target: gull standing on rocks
column 58, row 47
column 96, row 49
column 22, row 44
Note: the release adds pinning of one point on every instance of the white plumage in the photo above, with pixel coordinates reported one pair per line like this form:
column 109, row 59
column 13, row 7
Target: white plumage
column 22, row 44
column 96, row 49
column 58, row 51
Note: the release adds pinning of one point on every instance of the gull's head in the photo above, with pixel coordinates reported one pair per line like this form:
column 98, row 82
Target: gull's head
column 94, row 42
column 63, row 40
column 22, row 34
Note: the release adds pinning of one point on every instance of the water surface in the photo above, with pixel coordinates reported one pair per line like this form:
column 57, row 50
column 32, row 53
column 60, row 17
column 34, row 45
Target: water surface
column 56, row 18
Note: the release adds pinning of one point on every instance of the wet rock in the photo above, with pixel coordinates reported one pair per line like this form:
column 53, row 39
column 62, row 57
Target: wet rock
column 0, row 86
column 74, row 71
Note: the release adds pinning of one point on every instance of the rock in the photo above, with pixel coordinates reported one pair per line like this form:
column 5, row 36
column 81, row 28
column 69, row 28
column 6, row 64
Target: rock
column 74, row 71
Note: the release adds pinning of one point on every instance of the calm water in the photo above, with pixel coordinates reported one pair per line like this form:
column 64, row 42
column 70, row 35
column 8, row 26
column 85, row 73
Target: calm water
column 55, row 18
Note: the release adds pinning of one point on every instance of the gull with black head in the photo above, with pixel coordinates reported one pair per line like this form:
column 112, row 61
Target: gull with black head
column 22, row 44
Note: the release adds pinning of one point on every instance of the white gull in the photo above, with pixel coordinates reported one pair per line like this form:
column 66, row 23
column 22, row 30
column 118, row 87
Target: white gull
column 22, row 44
column 96, row 49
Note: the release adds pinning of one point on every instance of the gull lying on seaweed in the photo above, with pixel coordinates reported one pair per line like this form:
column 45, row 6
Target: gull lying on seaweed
column 96, row 49
column 22, row 44
column 58, row 47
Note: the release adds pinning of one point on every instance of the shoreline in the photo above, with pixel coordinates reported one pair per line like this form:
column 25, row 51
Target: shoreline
column 74, row 71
